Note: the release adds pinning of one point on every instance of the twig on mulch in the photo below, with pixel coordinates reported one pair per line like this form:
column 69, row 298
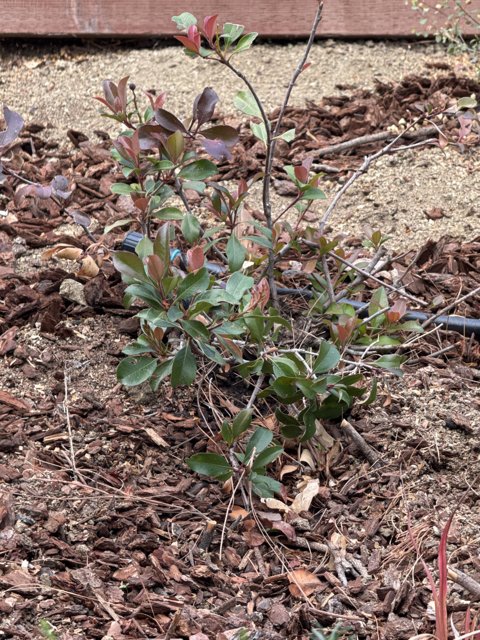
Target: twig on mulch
column 364, row 168
column 470, row 294
column 69, row 425
column 370, row 454
column 468, row 583
column 424, row 132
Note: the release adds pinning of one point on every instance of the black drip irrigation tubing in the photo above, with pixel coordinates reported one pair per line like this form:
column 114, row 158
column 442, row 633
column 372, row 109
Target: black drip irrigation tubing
column 459, row 324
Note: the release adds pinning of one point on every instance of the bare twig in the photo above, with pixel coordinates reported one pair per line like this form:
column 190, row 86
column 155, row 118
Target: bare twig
column 470, row 294
column 369, row 453
column 69, row 424
column 424, row 132
column 377, row 280
column 465, row 581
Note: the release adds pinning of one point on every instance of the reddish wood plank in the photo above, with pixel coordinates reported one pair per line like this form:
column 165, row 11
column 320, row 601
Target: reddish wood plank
column 353, row 18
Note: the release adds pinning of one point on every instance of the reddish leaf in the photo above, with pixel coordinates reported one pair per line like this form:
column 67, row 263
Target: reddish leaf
column 195, row 258
column 397, row 311
column 204, row 106
column 210, row 27
column 156, row 269
column 169, row 122
column 156, row 102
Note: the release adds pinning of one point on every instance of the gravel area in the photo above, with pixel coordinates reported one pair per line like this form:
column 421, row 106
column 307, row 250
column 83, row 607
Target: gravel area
column 54, row 83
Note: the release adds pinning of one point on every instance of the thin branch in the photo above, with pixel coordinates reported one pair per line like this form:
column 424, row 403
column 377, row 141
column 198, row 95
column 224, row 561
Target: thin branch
column 424, row 132
column 364, row 168
column 377, row 280
column 450, row 306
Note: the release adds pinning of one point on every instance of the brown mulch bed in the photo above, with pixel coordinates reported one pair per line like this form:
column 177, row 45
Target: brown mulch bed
column 123, row 541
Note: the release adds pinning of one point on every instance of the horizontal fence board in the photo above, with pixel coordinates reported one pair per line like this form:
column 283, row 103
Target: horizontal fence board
column 152, row 18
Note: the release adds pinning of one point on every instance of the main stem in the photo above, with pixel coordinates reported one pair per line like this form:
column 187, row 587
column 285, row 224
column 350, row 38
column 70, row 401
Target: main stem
column 271, row 141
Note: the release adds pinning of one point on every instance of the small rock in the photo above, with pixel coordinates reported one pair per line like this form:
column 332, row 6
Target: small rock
column 73, row 291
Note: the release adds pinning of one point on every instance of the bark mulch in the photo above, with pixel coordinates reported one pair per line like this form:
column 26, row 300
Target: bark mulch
column 105, row 533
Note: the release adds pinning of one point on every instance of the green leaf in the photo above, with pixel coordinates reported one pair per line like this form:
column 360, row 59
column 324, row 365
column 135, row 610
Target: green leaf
column 175, row 146
column 372, row 396
column 260, row 240
column 184, row 368
column 195, row 329
column 129, row 264
column 250, row 368
column 264, row 486
column 144, row 248
column 255, row 323
column 191, row 228
column 168, row 213
column 184, row 20
column 238, row 284
column 259, row 441
column 163, row 370
column 245, row 42
column 161, row 245
column 163, row 165
column 378, row 301
column 266, row 457
column 245, row 102
column 392, row 362
column 241, row 422
column 122, row 189
column 211, row 353
column 145, row 292
column 135, row 370
column 210, row 464
column 195, row 185
column 197, row 282
column 312, row 193
column 259, row 131
column 198, row 170
column 328, row 357
column 236, row 253
column 469, row 102
column 411, row 325
column 118, row 223
column 291, row 431
column 288, row 136
column 227, row 434
column 231, row 32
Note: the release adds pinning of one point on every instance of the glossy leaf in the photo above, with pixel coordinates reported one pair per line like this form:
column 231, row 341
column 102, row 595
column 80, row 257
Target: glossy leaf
column 258, row 442
column 264, row 486
column 191, row 228
column 169, row 122
column 210, row 464
column 246, row 103
column 204, row 105
column 193, row 283
column 266, row 457
column 241, row 422
column 121, row 188
column 129, row 264
column 134, row 370
column 184, row 368
column 245, row 42
column 328, row 357
column 236, row 253
column 392, row 362
column 238, row 284
column 198, row 170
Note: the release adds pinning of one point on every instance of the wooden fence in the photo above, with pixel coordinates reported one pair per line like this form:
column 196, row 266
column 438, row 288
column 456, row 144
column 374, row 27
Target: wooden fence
column 152, row 18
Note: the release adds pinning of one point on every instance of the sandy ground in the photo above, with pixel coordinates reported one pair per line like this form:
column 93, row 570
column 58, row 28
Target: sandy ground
column 54, row 83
